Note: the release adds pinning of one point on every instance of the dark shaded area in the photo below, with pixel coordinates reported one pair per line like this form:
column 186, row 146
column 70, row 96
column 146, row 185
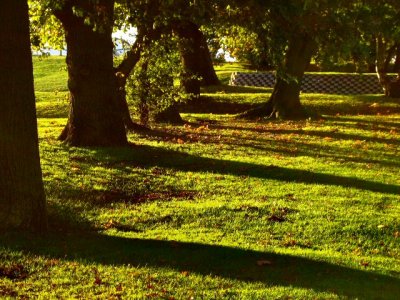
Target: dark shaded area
column 205, row 104
column 236, row 89
column 227, row 262
column 105, row 198
column 356, row 109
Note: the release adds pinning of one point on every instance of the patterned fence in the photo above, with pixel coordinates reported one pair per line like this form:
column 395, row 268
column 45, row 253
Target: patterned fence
column 341, row 84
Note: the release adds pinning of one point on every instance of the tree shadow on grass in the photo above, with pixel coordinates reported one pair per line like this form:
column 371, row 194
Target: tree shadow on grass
column 208, row 105
column 227, row 262
column 348, row 121
column 322, row 134
column 235, row 89
column 146, row 156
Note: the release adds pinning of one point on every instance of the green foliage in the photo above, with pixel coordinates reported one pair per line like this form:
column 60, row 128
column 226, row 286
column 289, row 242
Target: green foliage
column 46, row 30
column 153, row 85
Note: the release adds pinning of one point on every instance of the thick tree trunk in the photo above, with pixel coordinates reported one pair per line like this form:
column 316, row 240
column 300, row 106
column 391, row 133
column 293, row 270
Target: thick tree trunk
column 22, row 198
column 94, row 118
column 196, row 57
column 284, row 102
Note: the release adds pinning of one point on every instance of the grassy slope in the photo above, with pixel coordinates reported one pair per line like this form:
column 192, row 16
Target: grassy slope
column 218, row 208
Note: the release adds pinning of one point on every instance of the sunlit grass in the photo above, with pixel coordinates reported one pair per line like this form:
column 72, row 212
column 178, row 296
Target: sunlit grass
column 219, row 207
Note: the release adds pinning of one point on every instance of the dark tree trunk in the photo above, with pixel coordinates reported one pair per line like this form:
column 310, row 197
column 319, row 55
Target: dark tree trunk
column 95, row 118
column 396, row 67
column 384, row 56
column 196, row 57
column 22, row 198
column 170, row 115
column 284, row 102
column 393, row 88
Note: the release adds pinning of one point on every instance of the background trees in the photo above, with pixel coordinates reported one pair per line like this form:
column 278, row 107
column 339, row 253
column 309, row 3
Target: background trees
column 379, row 23
column 294, row 30
column 268, row 34
column 22, row 199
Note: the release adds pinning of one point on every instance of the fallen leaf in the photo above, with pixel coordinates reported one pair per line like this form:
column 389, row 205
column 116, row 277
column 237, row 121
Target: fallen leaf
column 364, row 263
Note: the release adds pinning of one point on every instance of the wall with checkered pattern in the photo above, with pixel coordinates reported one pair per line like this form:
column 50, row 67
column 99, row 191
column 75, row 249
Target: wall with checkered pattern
column 340, row 84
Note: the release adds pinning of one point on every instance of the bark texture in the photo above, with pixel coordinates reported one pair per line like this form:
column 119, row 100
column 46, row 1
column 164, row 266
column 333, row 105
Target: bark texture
column 196, row 57
column 94, row 117
column 284, row 102
column 22, row 198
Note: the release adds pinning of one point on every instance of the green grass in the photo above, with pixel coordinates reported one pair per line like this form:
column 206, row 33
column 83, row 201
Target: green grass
column 50, row 74
column 219, row 208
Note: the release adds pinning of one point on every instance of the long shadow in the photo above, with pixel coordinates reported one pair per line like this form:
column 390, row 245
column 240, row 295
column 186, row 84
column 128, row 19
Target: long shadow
column 154, row 156
column 235, row 89
column 227, row 262
column 321, row 134
column 364, row 124
column 314, row 152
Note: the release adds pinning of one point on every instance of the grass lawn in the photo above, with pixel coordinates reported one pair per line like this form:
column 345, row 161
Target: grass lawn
column 219, row 208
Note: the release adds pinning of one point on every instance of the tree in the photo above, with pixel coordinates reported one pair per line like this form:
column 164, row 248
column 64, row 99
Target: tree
column 196, row 57
column 22, row 198
column 94, row 118
column 382, row 28
column 151, row 18
column 294, row 29
column 372, row 39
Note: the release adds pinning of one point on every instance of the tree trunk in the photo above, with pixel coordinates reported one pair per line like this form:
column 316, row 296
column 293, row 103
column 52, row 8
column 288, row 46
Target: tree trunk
column 22, row 198
column 94, row 118
column 381, row 64
column 196, row 57
column 396, row 67
column 393, row 88
column 384, row 56
column 284, row 102
column 170, row 115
